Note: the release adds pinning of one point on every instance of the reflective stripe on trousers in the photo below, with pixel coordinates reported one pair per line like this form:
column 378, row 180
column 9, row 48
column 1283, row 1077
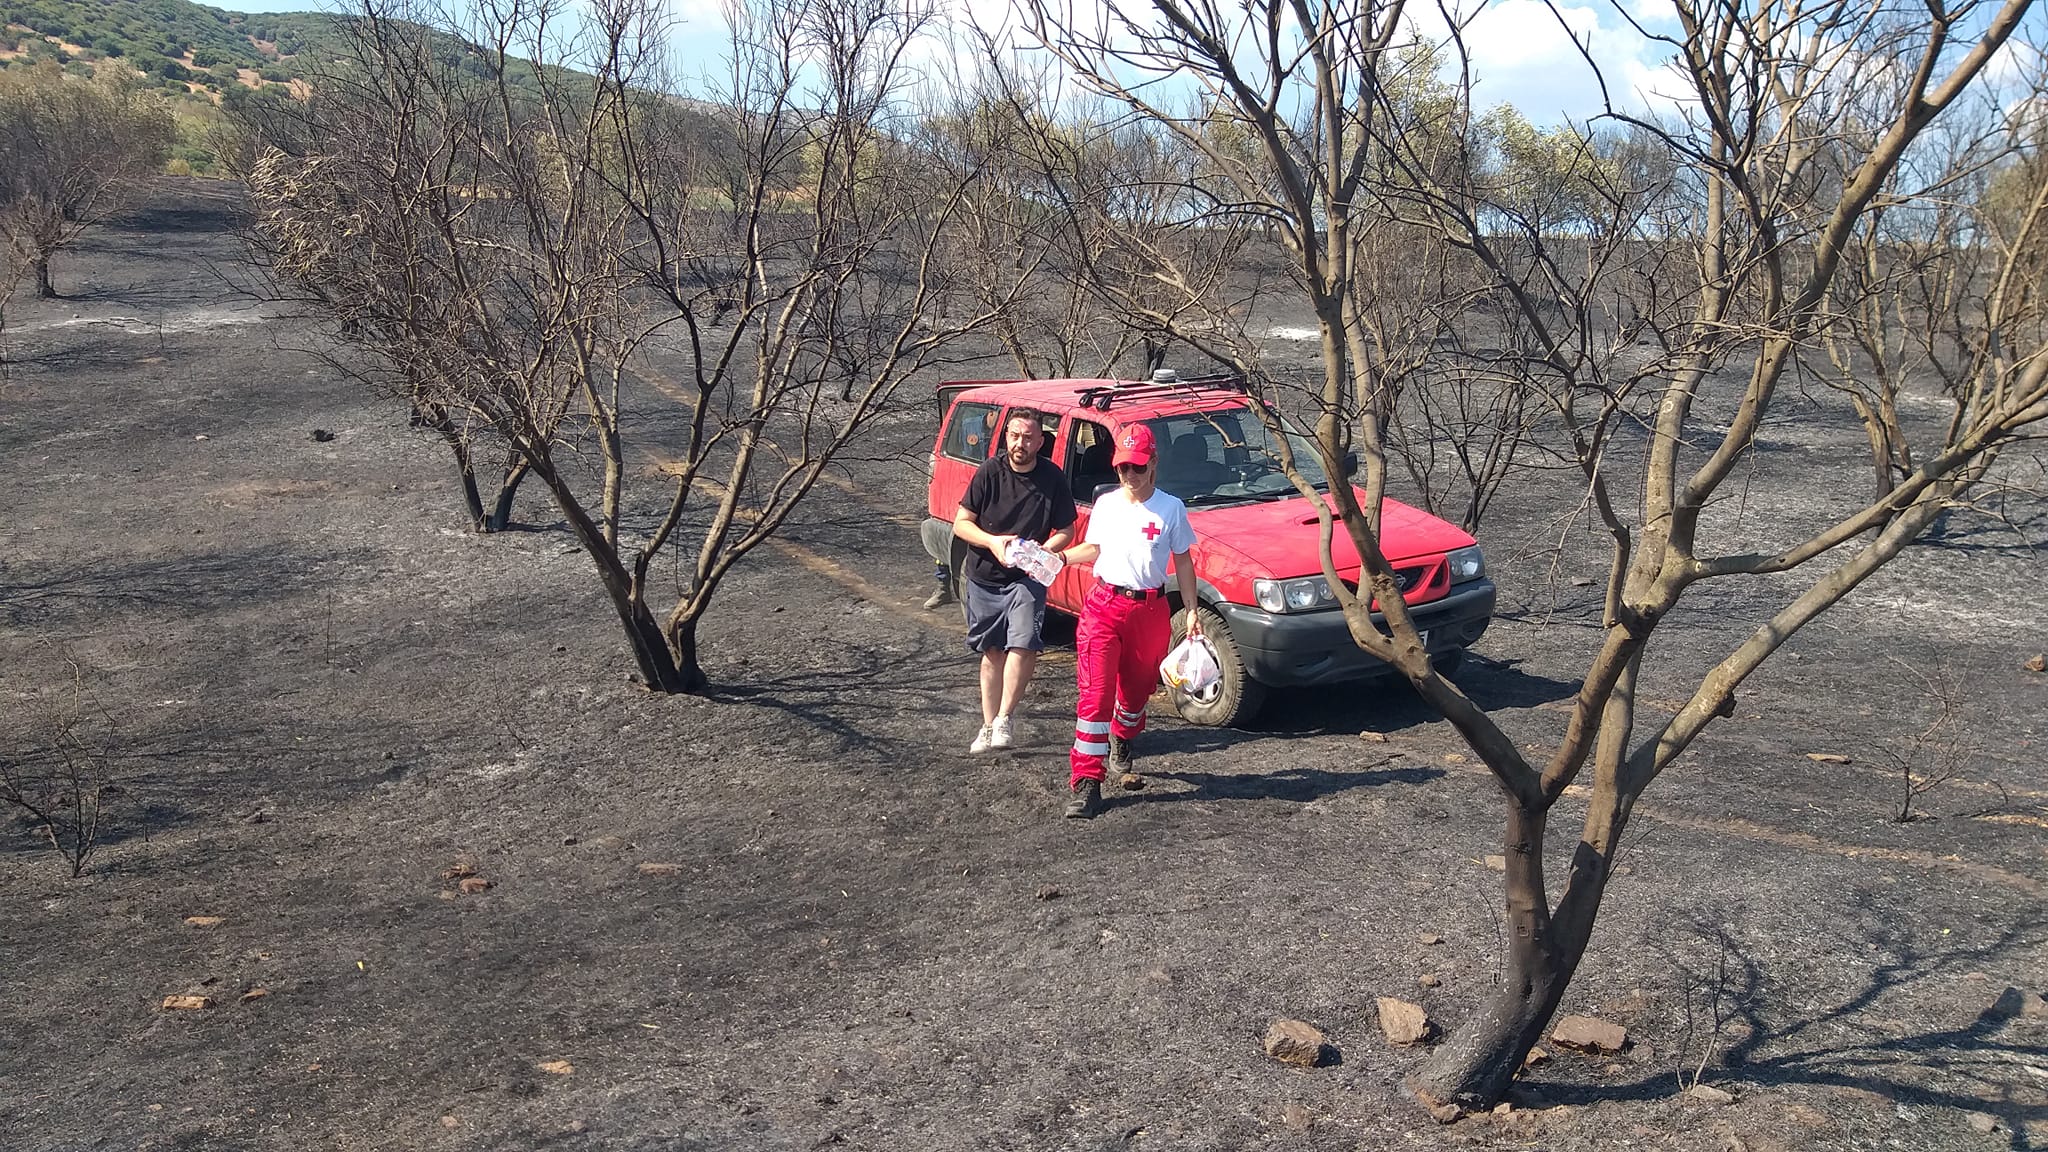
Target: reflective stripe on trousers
column 1117, row 650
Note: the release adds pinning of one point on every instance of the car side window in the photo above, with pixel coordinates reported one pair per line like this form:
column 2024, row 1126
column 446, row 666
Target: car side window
column 1089, row 449
column 971, row 436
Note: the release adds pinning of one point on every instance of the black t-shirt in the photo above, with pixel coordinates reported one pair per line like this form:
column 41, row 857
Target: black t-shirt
column 1006, row 502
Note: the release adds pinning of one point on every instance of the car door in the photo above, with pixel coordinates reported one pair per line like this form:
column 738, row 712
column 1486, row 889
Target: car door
column 969, row 437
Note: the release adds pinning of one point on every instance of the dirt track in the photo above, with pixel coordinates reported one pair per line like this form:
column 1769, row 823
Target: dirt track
column 323, row 696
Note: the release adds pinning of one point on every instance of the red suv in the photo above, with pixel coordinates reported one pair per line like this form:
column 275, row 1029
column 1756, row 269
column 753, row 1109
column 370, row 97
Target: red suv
column 1265, row 604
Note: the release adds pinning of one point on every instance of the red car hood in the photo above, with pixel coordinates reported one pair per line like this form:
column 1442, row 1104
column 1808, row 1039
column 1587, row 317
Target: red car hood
column 1277, row 539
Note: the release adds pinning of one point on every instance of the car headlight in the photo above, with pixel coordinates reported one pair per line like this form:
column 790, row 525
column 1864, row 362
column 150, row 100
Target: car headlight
column 1303, row 595
column 1466, row 565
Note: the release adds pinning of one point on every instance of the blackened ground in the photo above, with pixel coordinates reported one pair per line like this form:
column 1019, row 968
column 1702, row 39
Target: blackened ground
column 320, row 694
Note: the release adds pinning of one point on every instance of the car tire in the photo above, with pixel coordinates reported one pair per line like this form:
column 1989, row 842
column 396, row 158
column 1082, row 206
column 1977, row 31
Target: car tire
column 1447, row 663
column 957, row 574
column 1237, row 697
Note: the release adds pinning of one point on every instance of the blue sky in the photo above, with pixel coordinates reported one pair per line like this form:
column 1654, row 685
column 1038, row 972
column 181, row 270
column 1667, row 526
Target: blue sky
column 1520, row 50
column 1523, row 54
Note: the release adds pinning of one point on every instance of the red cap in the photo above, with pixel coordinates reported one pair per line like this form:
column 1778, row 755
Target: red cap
column 1134, row 445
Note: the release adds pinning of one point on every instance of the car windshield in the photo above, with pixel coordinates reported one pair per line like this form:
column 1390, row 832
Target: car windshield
column 1228, row 457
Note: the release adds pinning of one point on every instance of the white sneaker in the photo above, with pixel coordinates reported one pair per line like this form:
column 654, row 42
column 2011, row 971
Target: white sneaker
column 985, row 739
column 999, row 732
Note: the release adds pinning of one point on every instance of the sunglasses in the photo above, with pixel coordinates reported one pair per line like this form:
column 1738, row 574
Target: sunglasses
column 1132, row 467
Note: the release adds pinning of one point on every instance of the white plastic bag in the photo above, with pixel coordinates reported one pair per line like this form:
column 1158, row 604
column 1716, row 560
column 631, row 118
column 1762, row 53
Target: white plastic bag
column 1191, row 667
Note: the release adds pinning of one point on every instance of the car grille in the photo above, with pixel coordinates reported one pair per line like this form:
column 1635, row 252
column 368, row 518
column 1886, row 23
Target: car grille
column 1413, row 581
column 1405, row 579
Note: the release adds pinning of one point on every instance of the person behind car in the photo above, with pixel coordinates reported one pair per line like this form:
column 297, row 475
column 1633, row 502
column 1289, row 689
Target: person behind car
column 942, row 595
column 942, row 576
column 1016, row 494
column 1125, row 622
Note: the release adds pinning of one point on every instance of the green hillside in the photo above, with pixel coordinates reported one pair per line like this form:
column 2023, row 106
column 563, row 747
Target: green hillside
column 175, row 44
column 205, row 57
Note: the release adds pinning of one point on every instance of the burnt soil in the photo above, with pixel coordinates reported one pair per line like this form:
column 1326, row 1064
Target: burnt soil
column 316, row 696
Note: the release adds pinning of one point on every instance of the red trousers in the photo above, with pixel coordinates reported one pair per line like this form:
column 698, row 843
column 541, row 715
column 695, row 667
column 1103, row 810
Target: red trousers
column 1117, row 650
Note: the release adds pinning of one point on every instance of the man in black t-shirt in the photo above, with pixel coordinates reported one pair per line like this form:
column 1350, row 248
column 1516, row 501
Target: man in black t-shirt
column 1015, row 495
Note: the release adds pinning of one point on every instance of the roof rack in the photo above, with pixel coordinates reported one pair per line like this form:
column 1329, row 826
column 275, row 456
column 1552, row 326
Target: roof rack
column 1163, row 382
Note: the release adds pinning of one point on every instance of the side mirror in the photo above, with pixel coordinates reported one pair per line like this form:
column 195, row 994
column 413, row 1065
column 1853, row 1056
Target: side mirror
column 1349, row 464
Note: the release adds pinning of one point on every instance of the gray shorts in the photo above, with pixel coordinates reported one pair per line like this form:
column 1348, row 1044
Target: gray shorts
column 1007, row 617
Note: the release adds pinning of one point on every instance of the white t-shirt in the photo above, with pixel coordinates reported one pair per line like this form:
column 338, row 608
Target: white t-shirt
column 1138, row 540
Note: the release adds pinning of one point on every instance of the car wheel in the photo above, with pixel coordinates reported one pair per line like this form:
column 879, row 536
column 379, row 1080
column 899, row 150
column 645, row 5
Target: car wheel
column 1236, row 697
column 1447, row 663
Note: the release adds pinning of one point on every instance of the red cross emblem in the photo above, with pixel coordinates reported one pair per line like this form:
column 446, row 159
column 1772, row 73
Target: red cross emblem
column 1151, row 529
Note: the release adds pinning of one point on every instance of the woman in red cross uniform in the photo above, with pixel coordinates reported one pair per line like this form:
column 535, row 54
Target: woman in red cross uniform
column 1126, row 624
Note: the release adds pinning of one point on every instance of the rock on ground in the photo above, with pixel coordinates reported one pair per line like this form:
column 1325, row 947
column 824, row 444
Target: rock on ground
column 1587, row 1034
column 1403, row 1023
column 1293, row 1042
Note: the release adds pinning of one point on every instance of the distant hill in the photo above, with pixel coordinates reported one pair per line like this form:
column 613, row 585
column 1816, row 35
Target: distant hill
column 205, row 56
column 174, row 44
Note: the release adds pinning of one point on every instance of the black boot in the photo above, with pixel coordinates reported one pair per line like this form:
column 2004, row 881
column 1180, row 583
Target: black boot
column 1119, row 762
column 1086, row 800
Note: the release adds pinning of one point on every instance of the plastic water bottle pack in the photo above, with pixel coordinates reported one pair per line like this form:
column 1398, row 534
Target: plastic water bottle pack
column 1033, row 559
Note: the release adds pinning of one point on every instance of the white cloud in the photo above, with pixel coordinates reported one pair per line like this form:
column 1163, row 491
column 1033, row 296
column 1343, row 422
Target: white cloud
column 1661, row 89
column 2016, row 73
column 1534, row 56
column 1521, row 52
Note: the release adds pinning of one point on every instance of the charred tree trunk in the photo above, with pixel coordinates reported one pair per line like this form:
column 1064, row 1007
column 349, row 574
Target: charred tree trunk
column 1475, row 507
column 44, row 288
column 1890, row 457
column 1155, row 348
column 472, row 499
column 436, row 419
column 683, row 647
column 508, row 489
column 1476, row 1065
column 658, row 669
